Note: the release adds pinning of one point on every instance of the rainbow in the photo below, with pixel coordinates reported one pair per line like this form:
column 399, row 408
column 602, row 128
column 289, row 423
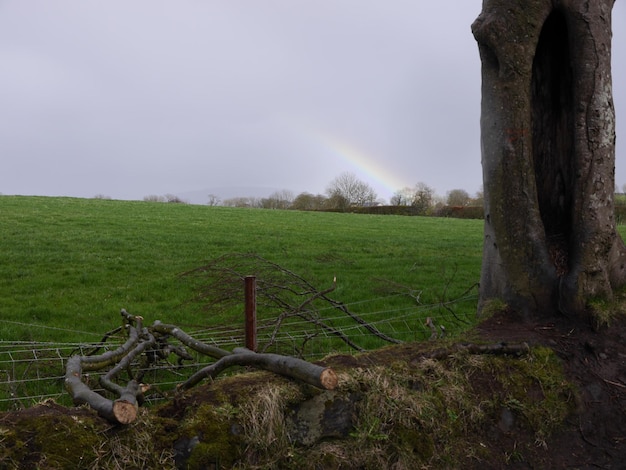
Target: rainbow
column 373, row 170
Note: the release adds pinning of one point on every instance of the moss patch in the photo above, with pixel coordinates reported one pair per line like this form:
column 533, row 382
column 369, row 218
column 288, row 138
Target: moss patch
column 50, row 441
column 216, row 435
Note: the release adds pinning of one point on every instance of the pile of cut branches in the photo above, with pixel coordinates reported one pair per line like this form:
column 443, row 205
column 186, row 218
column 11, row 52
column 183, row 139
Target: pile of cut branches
column 144, row 344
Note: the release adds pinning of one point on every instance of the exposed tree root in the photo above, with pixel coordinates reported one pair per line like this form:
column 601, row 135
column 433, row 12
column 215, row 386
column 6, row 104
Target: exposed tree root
column 470, row 348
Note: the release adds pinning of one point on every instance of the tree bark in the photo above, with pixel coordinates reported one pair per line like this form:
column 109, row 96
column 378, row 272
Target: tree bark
column 548, row 154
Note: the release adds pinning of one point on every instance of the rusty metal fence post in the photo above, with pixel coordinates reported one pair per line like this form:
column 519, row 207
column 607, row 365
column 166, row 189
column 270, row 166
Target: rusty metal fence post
column 250, row 300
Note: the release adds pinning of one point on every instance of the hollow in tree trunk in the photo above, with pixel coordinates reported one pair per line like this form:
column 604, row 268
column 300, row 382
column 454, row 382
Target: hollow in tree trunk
column 548, row 154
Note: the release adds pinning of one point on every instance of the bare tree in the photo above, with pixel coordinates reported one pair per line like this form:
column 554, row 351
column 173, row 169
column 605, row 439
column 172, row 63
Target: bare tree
column 154, row 198
column 478, row 198
column 308, row 202
column 213, row 200
column 350, row 191
column 174, row 199
column 423, row 197
column 338, row 202
column 458, row 197
column 403, row 197
column 548, row 153
column 242, row 202
column 278, row 200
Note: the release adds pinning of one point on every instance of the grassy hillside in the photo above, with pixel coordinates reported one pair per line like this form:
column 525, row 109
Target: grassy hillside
column 69, row 265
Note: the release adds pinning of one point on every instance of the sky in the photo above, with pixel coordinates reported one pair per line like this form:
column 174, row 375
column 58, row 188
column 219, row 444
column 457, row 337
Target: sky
column 130, row 98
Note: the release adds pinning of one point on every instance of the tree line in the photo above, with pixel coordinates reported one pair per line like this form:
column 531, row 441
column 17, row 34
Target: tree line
column 345, row 193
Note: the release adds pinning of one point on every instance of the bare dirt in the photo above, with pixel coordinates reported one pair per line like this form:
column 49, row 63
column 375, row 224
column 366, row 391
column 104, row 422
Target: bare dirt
column 593, row 436
column 595, row 362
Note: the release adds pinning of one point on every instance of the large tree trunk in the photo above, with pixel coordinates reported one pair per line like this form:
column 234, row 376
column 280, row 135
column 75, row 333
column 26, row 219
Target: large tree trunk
column 548, row 154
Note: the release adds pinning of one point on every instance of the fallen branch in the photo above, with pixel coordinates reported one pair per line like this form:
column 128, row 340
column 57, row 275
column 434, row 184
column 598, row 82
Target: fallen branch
column 150, row 343
column 302, row 312
column 124, row 409
column 180, row 335
column 284, row 365
column 282, row 295
column 123, row 412
column 292, row 367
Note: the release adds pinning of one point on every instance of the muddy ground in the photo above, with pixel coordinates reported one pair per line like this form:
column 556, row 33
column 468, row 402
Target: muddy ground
column 595, row 361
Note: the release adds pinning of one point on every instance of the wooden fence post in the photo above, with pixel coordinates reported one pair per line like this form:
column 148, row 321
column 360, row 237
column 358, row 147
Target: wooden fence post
column 250, row 300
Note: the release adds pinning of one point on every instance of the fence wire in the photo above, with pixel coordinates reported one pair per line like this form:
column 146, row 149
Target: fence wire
column 31, row 372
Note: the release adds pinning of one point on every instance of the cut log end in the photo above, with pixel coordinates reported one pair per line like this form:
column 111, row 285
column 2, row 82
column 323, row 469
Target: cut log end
column 329, row 379
column 124, row 411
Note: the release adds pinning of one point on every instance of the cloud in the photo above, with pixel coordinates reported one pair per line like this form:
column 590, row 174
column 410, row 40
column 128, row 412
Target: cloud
column 152, row 97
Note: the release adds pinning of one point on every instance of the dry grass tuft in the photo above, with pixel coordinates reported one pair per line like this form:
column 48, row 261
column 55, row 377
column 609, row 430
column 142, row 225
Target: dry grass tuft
column 132, row 446
column 263, row 421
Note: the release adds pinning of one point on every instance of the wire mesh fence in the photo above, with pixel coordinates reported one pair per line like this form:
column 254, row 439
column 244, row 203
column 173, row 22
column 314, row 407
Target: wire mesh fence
column 31, row 372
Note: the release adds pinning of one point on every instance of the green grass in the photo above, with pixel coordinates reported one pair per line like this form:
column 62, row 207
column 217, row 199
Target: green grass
column 72, row 264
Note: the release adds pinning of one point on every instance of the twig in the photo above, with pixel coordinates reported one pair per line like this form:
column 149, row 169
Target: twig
column 430, row 324
column 615, row 383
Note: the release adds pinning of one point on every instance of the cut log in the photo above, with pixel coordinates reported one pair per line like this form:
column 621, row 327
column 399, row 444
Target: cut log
column 328, row 379
column 124, row 409
column 292, row 367
column 124, row 412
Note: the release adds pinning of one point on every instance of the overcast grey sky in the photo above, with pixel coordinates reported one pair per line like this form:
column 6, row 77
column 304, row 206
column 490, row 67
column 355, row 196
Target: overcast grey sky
column 128, row 98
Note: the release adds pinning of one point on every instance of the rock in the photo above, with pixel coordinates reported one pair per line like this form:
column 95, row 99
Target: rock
column 329, row 414
column 182, row 450
column 507, row 420
column 595, row 390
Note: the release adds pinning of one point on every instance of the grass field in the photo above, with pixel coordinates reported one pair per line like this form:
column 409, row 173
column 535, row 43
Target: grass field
column 69, row 265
